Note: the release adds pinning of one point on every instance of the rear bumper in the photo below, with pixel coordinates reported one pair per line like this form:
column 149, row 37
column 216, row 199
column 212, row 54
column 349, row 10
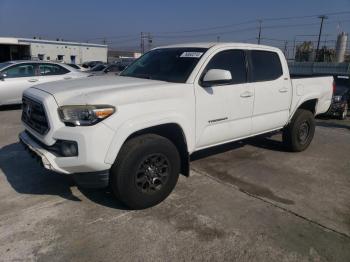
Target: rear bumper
column 336, row 109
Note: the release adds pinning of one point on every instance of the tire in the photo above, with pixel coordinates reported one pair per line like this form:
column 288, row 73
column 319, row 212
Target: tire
column 343, row 114
column 299, row 133
column 146, row 171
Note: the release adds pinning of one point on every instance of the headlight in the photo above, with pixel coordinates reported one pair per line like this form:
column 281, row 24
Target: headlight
column 337, row 98
column 85, row 115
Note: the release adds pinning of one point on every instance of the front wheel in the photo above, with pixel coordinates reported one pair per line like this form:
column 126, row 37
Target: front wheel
column 146, row 171
column 299, row 133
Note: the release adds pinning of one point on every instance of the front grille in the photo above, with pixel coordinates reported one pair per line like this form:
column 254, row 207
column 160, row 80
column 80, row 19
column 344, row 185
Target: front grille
column 33, row 114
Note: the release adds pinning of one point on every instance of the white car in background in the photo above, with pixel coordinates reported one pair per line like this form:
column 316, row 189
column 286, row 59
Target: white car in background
column 16, row 76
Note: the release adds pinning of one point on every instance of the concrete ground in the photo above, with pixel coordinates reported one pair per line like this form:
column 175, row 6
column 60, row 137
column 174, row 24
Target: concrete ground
column 247, row 201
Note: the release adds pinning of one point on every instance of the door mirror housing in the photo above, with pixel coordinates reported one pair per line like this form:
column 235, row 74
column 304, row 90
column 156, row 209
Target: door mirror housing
column 216, row 76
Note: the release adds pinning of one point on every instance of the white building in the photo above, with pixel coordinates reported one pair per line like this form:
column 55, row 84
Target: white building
column 60, row 51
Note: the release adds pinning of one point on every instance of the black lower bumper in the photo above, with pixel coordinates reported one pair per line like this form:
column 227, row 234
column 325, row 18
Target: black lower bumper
column 92, row 180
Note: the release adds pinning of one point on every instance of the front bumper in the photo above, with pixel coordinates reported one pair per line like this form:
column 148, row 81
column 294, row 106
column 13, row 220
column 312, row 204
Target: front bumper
column 98, row 179
column 92, row 143
column 44, row 157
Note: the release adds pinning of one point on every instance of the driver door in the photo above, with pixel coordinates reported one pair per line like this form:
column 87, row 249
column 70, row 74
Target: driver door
column 224, row 111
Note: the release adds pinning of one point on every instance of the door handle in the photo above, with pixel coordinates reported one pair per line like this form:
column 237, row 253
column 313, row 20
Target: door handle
column 247, row 94
column 32, row 80
column 283, row 90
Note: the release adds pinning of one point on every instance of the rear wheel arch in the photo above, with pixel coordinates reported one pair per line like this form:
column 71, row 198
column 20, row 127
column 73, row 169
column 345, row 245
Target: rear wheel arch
column 309, row 105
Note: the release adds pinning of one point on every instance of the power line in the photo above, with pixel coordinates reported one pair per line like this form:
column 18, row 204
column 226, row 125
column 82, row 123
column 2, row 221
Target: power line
column 251, row 22
column 162, row 34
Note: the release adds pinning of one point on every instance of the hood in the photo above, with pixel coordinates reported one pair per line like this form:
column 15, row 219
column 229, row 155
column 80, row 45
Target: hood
column 106, row 89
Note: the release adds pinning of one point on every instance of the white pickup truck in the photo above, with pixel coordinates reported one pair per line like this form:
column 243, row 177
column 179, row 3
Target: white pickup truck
column 135, row 132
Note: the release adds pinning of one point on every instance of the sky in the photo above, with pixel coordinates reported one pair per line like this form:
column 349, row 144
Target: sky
column 119, row 23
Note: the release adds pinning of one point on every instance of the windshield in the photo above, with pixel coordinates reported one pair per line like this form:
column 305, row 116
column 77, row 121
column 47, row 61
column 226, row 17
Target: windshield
column 3, row 65
column 166, row 64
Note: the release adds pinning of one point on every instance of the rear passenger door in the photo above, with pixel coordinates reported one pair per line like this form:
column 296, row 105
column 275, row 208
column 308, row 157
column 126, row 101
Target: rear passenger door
column 272, row 90
column 224, row 111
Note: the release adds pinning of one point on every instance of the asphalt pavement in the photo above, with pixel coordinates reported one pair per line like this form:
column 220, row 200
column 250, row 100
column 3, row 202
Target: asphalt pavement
column 244, row 201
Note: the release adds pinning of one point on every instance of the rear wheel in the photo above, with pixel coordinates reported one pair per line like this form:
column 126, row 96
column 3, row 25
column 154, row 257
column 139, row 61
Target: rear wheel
column 146, row 171
column 299, row 133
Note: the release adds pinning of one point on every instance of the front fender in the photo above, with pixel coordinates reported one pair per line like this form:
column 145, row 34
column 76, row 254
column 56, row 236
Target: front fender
column 146, row 121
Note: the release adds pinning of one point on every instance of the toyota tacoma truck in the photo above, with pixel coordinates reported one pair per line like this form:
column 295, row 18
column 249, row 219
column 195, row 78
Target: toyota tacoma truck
column 135, row 132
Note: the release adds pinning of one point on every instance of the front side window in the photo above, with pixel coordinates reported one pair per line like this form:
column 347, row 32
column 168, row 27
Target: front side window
column 166, row 64
column 51, row 69
column 21, row 70
column 230, row 60
column 264, row 66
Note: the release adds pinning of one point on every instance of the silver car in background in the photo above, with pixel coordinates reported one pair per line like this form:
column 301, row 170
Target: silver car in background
column 16, row 76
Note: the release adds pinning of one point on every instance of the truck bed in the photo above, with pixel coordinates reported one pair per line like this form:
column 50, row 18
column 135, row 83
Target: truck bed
column 313, row 87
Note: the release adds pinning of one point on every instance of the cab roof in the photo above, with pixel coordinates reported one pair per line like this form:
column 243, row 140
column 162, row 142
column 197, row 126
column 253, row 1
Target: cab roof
column 220, row 44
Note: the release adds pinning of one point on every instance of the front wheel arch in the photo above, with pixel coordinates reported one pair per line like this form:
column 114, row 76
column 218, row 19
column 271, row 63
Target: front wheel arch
column 175, row 134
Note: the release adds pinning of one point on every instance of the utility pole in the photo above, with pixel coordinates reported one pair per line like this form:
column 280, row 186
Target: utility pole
column 218, row 39
column 322, row 17
column 259, row 36
column 286, row 49
column 142, row 44
column 149, row 41
column 104, row 41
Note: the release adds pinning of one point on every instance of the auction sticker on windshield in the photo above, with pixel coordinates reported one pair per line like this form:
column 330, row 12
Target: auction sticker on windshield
column 191, row 54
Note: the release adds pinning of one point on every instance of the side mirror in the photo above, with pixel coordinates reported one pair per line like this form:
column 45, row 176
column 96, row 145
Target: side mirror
column 216, row 76
column 3, row 76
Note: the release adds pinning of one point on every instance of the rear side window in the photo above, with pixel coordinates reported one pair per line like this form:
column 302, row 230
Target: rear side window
column 264, row 66
column 51, row 69
column 230, row 60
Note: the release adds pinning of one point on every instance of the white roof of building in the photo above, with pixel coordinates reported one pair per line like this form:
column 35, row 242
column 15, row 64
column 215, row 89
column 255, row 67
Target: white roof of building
column 28, row 41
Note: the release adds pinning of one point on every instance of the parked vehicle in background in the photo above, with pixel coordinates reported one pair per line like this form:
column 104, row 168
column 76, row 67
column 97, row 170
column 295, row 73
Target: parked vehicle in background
column 78, row 67
column 341, row 98
column 16, row 76
column 136, row 132
column 91, row 64
column 97, row 68
column 116, row 67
